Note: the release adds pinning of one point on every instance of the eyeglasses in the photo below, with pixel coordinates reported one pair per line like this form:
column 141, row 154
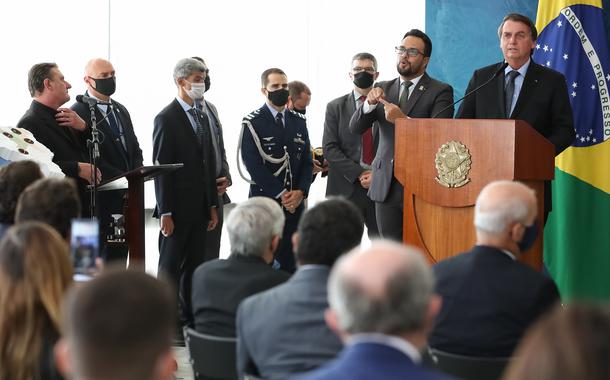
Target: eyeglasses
column 411, row 52
column 370, row 70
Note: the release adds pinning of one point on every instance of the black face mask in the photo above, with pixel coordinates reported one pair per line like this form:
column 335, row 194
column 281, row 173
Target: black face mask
column 529, row 237
column 279, row 97
column 363, row 79
column 105, row 86
column 299, row 111
column 207, row 82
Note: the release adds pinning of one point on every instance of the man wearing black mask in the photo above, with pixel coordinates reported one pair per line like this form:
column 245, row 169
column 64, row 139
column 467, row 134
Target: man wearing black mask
column 350, row 156
column 119, row 148
column 275, row 149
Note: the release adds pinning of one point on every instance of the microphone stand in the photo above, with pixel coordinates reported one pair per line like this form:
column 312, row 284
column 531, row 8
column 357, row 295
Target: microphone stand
column 94, row 154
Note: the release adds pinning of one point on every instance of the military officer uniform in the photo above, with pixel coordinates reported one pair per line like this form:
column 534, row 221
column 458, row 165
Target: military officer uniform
column 278, row 159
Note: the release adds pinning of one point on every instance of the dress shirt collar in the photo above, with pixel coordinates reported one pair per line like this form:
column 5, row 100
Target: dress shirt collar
column 395, row 342
column 414, row 82
column 274, row 112
column 185, row 105
column 509, row 254
column 102, row 107
column 522, row 70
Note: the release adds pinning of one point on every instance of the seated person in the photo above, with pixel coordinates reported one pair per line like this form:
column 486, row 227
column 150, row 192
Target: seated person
column 255, row 229
column 14, row 178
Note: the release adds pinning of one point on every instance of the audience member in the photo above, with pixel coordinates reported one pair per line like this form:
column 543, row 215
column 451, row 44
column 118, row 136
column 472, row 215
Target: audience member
column 570, row 343
column 255, row 229
column 35, row 272
column 59, row 129
column 382, row 305
column 14, row 178
column 52, row 201
column 299, row 96
column 350, row 156
column 282, row 331
column 118, row 326
column 490, row 298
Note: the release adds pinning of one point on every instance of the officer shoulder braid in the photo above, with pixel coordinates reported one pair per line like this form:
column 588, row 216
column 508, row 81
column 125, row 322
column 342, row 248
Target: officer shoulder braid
column 298, row 114
column 252, row 115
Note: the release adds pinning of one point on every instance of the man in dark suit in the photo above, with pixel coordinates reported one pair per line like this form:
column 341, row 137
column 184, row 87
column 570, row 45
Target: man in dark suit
column 524, row 90
column 382, row 305
column 186, row 198
column 281, row 331
column 223, row 175
column 59, row 129
column 490, row 298
column 412, row 94
column 275, row 149
column 255, row 228
column 119, row 148
column 350, row 156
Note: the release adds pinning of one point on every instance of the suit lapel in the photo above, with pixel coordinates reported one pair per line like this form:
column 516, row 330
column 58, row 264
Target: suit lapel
column 65, row 133
column 417, row 92
column 184, row 122
column 500, row 103
column 527, row 89
column 117, row 142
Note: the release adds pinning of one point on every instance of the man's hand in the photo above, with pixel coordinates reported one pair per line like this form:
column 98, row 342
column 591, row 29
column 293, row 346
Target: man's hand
column 365, row 179
column 68, row 118
column 392, row 111
column 317, row 167
column 213, row 219
column 374, row 95
column 292, row 199
column 167, row 225
column 221, row 185
column 85, row 171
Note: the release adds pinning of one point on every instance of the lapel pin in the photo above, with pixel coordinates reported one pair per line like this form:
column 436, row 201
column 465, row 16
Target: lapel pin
column 421, row 88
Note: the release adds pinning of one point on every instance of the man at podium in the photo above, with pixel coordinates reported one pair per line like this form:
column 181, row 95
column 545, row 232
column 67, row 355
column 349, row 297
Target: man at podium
column 521, row 89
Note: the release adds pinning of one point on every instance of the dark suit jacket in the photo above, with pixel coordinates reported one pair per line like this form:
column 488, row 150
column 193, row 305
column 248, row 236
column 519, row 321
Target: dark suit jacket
column 429, row 97
column 489, row 300
column 220, row 285
column 64, row 142
column 189, row 192
column 282, row 332
column 342, row 148
column 114, row 160
column 224, row 172
column 543, row 102
column 366, row 361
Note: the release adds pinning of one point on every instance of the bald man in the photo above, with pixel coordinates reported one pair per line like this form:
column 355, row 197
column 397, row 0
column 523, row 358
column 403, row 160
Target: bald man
column 490, row 298
column 119, row 148
column 383, row 306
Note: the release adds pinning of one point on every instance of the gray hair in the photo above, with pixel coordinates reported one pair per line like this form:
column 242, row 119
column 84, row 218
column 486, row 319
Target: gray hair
column 187, row 66
column 400, row 309
column 364, row 55
column 495, row 221
column 253, row 224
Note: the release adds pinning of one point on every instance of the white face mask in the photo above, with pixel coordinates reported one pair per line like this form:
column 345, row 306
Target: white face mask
column 196, row 91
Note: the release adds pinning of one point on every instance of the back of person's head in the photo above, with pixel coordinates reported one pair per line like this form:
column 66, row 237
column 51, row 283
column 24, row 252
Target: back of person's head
column 14, row 178
column 568, row 343
column 387, row 289
column 35, row 272
column 52, row 201
column 328, row 230
column 253, row 224
column 119, row 326
column 501, row 204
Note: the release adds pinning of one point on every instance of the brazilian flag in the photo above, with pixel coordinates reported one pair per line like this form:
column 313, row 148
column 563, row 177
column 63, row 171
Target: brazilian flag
column 573, row 41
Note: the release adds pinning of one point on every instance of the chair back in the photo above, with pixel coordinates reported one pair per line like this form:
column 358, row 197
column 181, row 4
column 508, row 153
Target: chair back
column 212, row 357
column 465, row 367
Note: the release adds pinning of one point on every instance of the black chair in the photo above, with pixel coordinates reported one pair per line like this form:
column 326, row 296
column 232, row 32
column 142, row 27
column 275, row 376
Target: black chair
column 212, row 357
column 465, row 367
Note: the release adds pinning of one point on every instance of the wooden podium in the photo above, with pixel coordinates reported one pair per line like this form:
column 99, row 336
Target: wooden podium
column 439, row 219
column 133, row 181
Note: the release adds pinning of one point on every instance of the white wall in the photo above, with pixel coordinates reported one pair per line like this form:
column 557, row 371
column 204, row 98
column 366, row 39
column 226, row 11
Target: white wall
column 311, row 41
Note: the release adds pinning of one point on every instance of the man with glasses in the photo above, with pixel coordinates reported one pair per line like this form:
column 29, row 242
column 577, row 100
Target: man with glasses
column 524, row 90
column 350, row 156
column 412, row 94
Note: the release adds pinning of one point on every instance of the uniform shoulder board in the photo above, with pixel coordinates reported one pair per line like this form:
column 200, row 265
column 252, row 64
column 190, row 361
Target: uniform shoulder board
column 252, row 115
column 298, row 114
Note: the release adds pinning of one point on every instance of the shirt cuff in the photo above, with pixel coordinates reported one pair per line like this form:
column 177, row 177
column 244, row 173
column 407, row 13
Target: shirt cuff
column 368, row 108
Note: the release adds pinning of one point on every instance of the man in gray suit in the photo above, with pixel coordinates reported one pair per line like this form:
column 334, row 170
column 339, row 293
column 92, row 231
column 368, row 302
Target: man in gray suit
column 281, row 331
column 223, row 176
column 350, row 156
column 412, row 94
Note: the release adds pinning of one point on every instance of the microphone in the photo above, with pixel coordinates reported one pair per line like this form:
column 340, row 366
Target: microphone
column 500, row 69
column 89, row 100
